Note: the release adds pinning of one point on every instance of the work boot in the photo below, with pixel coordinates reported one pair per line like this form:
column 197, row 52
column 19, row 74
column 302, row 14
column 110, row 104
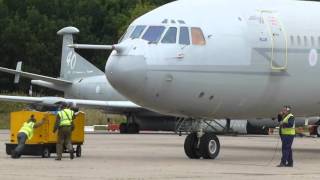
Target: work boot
column 281, row 165
column 58, row 159
column 14, row 155
column 71, row 155
column 289, row 165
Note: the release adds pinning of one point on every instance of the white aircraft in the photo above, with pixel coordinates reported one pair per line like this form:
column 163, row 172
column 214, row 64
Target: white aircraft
column 220, row 58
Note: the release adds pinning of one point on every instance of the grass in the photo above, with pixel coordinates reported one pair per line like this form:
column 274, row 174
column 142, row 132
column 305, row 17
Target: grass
column 99, row 117
column 93, row 116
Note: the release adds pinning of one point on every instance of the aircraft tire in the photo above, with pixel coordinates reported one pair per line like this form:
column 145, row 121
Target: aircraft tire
column 137, row 130
column 190, row 146
column 318, row 131
column 209, row 146
column 133, row 128
column 123, row 128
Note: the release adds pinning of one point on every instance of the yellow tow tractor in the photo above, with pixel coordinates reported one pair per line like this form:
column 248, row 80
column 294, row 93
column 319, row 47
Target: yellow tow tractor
column 43, row 142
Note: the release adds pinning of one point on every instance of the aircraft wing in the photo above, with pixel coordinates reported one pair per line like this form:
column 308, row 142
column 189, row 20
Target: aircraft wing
column 110, row 106
column 35, row 76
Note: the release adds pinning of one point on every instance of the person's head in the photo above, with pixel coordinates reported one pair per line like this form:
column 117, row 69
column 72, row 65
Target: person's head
column 63, row 105
column 286, row 110
column 73, row 107
column 32, row 119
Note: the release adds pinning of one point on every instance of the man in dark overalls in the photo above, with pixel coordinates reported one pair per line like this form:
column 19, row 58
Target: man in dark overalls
column 287, row 133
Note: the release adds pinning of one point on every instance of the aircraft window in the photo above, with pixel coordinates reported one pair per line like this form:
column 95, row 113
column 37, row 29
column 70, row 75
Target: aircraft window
column 137, row 32
column 292, row 40
column 305, row 39
column 299, row 40
column 127, row 34
column 171, row 36
column 181, row 22
column 312, row 41
column 165, row 21
column 153, row 34
column 184, row 36
column 197, row 36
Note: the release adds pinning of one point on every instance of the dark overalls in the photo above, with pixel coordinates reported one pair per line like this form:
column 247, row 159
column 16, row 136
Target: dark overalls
column 287, row 133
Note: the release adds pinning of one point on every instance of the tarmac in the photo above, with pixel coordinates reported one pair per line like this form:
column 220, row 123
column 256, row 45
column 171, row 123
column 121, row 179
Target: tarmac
column 161, row 156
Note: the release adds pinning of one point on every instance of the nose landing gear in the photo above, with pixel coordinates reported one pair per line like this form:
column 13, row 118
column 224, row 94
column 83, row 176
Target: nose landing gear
column 207, row 146
column 199, row 144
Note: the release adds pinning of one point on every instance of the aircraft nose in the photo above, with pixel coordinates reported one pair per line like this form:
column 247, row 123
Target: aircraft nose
column 127, row 74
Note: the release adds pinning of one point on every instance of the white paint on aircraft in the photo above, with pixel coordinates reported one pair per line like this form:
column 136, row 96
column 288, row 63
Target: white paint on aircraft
column 313, row 57
column 71, row 60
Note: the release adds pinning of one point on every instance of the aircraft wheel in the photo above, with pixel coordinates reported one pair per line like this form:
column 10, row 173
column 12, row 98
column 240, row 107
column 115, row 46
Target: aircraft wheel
column 209, row 146
column 123, row 128
column 133, row 128
column 318, row 130
column 190, row 146
column 137, row 128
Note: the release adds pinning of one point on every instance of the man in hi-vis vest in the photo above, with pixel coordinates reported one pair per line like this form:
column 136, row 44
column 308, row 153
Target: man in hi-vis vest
column 25, row 132
column 287, row 133
column 64, row 125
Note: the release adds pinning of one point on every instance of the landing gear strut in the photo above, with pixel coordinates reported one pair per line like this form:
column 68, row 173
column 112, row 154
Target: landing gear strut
column 131, row 127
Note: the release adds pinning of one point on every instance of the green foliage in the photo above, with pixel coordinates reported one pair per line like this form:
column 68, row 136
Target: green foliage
column 28, row 31
column 5, row 109
column 138, row 10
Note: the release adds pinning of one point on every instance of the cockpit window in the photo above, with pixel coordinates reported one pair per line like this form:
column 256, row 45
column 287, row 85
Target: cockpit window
column 197, row 36
column 137, row 32
column 171, row 36
column 153, row 34
column 127, row 34
column 184, row 36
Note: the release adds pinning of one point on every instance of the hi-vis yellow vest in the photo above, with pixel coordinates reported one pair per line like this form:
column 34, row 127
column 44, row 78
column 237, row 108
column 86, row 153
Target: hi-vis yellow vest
column 66, row 117
column 27, row 128
column 288, row 131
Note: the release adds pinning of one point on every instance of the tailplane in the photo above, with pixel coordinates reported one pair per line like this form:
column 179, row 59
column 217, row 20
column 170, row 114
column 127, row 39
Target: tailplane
column 73, row 66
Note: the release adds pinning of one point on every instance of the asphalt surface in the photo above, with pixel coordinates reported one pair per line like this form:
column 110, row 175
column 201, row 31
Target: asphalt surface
column 161, row 156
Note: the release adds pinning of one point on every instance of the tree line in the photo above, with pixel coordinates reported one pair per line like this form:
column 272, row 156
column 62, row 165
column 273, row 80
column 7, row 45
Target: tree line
column 28, row 31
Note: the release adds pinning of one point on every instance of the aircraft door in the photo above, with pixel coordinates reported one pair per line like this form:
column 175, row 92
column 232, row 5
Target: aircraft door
column 279, row 42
